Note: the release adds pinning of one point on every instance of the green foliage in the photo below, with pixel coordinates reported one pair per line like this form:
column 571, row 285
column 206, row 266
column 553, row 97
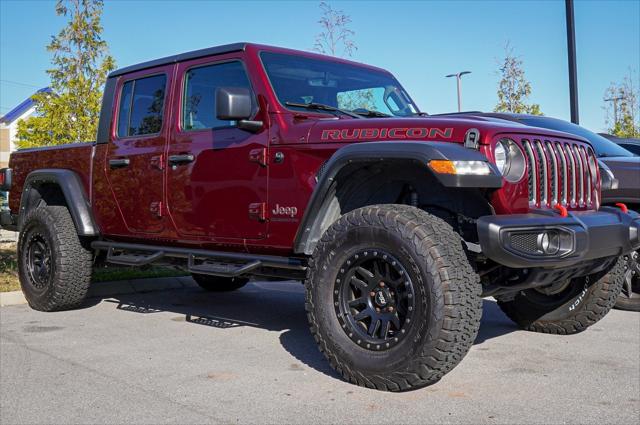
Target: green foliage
column 336, row 39
column 81, row 63
column 622, row 109
column 514, row 89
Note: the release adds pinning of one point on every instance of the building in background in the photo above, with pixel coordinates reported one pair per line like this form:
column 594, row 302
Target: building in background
column 9, row 126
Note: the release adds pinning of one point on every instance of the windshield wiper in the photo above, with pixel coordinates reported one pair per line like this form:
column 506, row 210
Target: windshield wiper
column 369, row 113
column 323, row 107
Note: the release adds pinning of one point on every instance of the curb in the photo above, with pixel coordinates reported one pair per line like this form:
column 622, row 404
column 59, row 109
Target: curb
column 108, row 289
column 12, row 298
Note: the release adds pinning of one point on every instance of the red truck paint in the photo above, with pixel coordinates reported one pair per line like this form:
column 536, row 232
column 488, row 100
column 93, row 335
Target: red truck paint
column 226, row 198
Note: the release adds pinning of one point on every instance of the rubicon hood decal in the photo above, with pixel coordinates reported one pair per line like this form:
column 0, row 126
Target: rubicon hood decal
column 387, row 133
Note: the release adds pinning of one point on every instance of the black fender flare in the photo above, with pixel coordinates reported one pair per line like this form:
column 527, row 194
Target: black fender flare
column 371, row 152
column 71, row 187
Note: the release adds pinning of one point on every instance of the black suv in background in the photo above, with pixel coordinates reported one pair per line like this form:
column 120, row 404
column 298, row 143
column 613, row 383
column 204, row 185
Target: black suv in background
column 620, row 171
column 632, row 145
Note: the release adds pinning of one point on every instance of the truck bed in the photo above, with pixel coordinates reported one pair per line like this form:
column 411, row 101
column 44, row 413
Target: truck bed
column 74, row 156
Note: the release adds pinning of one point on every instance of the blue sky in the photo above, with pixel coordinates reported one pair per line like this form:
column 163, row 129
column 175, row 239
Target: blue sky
column 419, row 41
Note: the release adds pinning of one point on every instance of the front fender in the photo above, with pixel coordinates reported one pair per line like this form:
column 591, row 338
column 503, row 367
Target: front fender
column 374, row 152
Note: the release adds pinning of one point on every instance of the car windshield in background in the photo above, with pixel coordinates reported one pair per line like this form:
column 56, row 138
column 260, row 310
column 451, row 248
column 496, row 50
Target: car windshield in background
column 301, row 80
column 603, row 147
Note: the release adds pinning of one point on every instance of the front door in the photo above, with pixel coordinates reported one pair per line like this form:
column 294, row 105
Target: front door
column 134, row 162
column 217, row 176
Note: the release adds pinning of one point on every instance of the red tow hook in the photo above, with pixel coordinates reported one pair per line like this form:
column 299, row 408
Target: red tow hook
column 623, row 207
column 562, row 209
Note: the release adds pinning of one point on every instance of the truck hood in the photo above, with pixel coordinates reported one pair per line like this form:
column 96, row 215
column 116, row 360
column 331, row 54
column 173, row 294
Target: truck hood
column 449, row 129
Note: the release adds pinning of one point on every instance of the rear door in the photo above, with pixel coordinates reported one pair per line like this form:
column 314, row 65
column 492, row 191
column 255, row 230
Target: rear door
column 217, row 176
column 135, row 160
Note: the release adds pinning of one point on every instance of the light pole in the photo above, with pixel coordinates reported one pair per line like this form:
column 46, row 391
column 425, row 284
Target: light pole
column 571, row 55
column 615, row 107
column 458, row 75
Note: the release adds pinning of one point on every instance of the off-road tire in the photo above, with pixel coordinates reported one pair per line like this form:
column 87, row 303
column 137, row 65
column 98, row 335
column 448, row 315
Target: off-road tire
column 65, row 284
column 629, row 298
column 219, row 284
column 447, row 297
column 587, row 300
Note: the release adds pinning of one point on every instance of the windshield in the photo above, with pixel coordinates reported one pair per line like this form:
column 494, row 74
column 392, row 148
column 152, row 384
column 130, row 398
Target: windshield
column 602, row 146
column 301, row 80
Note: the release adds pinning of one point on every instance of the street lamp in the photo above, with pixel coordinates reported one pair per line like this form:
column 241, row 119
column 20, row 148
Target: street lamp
column 615, row 107
column 458, row 75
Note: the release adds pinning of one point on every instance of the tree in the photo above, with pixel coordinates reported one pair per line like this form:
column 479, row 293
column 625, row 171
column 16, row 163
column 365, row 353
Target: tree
column 81, row 62
column 514, row 89
column 622, row 109
column 336, row 39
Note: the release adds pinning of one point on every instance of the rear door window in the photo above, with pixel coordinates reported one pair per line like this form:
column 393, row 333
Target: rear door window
column 142, row 106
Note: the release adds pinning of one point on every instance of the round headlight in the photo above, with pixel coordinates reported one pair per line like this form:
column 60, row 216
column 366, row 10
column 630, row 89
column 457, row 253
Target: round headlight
column 509, row 160
column 500, row 155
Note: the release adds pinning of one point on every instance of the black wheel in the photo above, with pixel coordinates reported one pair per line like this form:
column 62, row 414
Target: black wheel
column 391, row 297
column 219, row 284
column 566, row 307
column 53, row 265
column 629, row 298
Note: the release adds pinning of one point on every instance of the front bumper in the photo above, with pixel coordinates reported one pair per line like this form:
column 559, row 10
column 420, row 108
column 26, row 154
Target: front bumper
column 545, row 239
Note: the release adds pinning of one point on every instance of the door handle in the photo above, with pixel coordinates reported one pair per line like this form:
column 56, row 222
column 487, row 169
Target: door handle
column 181, row 159
column 119, row 163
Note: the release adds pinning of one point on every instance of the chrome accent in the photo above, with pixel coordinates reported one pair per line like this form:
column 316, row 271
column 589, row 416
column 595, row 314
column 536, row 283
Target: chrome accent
column 554, row 172
column 532, row 177
column 572, row 188
column 543, row 172
column 565, row 171
column 576, row 152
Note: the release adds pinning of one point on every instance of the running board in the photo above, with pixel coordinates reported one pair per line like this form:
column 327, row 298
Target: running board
column 199, row 261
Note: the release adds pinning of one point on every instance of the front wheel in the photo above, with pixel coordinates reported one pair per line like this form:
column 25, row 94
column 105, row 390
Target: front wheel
column 629, row 298
column 391, row 297
column 566, row 307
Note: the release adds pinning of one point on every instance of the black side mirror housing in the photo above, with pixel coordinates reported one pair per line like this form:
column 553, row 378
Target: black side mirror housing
column 234, row 103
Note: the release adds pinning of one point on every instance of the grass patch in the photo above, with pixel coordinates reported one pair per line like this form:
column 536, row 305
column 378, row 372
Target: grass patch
column 8, row 267
column 9, row 270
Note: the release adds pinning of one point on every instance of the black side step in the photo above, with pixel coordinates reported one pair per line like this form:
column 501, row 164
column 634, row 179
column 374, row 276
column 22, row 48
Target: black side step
column 222, row 268
column 133, row 258
column 199, row 261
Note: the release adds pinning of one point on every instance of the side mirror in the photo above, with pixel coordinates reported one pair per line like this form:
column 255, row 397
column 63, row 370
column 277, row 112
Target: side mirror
column 234, row 103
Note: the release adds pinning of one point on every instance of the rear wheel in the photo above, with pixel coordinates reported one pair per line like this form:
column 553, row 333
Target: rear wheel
column 53, row 265
column 391, row 297
column 566, row 307
column 629, row 298
column 219, row 284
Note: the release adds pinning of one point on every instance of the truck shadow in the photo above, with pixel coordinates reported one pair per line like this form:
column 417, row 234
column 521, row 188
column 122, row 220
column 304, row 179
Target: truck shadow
column 273, row 306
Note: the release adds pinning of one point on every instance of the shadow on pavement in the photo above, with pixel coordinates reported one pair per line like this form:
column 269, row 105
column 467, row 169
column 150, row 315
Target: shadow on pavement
column 274, row 306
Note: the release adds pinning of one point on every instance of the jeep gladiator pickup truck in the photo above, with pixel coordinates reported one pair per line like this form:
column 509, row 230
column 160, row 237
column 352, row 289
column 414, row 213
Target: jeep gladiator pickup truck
column 245, row 161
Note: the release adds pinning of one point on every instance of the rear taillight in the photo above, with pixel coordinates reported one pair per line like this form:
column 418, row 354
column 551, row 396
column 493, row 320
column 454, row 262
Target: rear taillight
column 5, row 179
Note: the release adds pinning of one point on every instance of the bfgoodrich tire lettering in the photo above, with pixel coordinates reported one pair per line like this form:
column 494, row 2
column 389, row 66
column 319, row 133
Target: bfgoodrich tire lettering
column 53, row 265
column 447, row 303
column 584, row 301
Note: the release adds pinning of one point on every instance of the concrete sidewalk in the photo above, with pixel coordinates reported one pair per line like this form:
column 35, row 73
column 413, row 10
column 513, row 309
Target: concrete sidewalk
column 187, row 356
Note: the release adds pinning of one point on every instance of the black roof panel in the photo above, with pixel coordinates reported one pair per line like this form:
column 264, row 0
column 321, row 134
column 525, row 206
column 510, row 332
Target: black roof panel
column 210, row 51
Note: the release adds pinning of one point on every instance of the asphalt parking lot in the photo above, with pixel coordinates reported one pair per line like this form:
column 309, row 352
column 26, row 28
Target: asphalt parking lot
column 185, row 356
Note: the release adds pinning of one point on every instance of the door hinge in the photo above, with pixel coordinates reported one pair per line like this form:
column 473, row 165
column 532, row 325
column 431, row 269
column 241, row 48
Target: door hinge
column 258, row 155
column 156, row 208
column 158, row 161
column 258, row 211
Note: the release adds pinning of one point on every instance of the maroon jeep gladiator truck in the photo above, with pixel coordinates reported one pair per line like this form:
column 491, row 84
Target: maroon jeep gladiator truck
column 246, row 160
